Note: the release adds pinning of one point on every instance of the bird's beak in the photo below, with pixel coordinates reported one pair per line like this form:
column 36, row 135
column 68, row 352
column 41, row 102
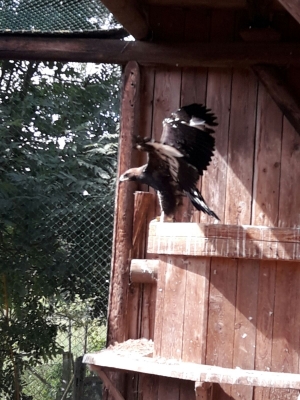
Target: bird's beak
column 123, row 178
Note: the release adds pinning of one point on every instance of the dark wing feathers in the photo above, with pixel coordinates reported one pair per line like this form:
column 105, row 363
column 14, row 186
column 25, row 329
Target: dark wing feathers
column 183, row 153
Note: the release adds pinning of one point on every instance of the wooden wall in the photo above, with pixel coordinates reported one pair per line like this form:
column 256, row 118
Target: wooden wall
column 252, row 312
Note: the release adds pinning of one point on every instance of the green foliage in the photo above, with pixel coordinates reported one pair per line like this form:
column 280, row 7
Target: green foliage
column 58, row 147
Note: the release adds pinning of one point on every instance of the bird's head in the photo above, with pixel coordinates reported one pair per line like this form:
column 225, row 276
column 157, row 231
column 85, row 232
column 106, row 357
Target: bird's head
column 131, row 174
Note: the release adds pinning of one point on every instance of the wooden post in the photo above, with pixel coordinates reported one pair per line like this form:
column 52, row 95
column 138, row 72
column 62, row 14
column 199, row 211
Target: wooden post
column 79, row 373
column 119, row 280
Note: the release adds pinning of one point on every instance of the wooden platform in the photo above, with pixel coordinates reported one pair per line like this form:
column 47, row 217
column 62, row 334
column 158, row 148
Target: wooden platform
column 136, row 355
column 220, row 240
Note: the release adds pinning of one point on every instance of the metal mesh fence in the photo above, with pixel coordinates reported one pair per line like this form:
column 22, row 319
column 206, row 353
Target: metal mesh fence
column 54, row 16
column 58, row 159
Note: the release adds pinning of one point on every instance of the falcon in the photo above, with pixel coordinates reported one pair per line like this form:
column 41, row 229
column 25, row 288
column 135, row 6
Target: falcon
column 176, row 162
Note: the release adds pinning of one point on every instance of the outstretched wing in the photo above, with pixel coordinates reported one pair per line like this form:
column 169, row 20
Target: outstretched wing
column 189, row 130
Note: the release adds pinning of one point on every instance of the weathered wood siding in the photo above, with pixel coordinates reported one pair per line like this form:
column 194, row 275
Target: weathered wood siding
column 251, row 312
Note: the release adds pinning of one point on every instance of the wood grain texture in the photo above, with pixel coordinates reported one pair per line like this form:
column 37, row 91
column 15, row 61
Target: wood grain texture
column 179, row 54
column 130, row 16
column 144, row 271
column 131, row 357
column 124, row 210
column 241, row 148
column 292, row 6
column 274, row 83
column 241, row 241
column 285, row 350
column 173, row 308
column 195, row 315
column 265, row 211
column 222, row 303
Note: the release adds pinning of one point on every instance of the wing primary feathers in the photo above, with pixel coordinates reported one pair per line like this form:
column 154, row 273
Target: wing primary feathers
column 175, row 162
column 198, row 201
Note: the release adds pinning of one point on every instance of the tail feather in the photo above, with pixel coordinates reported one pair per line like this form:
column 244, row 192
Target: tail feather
column 198, row 201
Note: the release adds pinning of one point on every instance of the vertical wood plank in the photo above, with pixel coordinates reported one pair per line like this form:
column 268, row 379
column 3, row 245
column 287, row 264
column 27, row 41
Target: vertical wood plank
column 241, row 148
column 222, row 302
column 222, row 295
column 159, row 312
column 265, row 212
column 285, row 352
column 193, row 90
column 168, row 389
column 166, row 100
column 196, row 309
column 289, row 201
column 238, row 210
column 245, row 323
column 173, row 311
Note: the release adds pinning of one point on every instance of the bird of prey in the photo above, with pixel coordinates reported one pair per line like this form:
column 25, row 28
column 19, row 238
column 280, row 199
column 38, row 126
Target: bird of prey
column 176, row 162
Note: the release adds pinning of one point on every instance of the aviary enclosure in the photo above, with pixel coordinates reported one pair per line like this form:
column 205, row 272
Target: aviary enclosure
column 223, row 295
column 203, row 310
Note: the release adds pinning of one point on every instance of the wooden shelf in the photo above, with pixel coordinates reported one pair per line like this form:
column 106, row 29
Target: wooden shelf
column 230, row 241
column 136, row 355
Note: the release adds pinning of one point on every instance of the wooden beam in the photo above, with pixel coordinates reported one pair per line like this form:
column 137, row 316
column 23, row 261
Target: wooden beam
column 293, row 7
column 130, row 16
column 130, row 356
column 123, row 208
column 230, row 241
column 236, row 4
column 150, row 54
column 272, row 80
column 144, row 271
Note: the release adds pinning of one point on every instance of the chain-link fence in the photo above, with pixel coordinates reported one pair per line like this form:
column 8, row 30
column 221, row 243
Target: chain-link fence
column 58, row 158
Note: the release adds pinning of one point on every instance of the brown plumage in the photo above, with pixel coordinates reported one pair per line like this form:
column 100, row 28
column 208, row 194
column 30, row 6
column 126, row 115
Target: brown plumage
column 178, row 159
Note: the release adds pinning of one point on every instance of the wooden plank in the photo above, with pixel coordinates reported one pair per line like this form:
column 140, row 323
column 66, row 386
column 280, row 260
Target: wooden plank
column 168, row 389
column 165, row 101
column 107, row 383
column 245, row 321
column 272, row 80
column 167, row 24
column 224, row 231
column 195, row 310
column 265, row 317
column 238, row 211
column 241, row 148
column 235, row 4
column 289, row 202
column 173, row 239
column 285, row 351
column 267, row 161
column 292, row 6
column 265, row 212
column 193, row 90
column 144, row 271
column 131, row 358
column 171, row 331
column 159, row 312
column 130, row 16
column 222, row 299
column 177, row 54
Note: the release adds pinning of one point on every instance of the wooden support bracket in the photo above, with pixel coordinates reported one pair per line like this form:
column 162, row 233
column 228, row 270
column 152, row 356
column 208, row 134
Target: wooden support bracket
column 203, row 390
column 272, row 80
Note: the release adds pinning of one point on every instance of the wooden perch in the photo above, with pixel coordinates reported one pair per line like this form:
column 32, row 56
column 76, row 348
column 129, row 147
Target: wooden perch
column 130, row 16
column 293, row 7
column 279, row 91
column 144, row 271
column 131, row 356
column 149, row 54
column 230, row 241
